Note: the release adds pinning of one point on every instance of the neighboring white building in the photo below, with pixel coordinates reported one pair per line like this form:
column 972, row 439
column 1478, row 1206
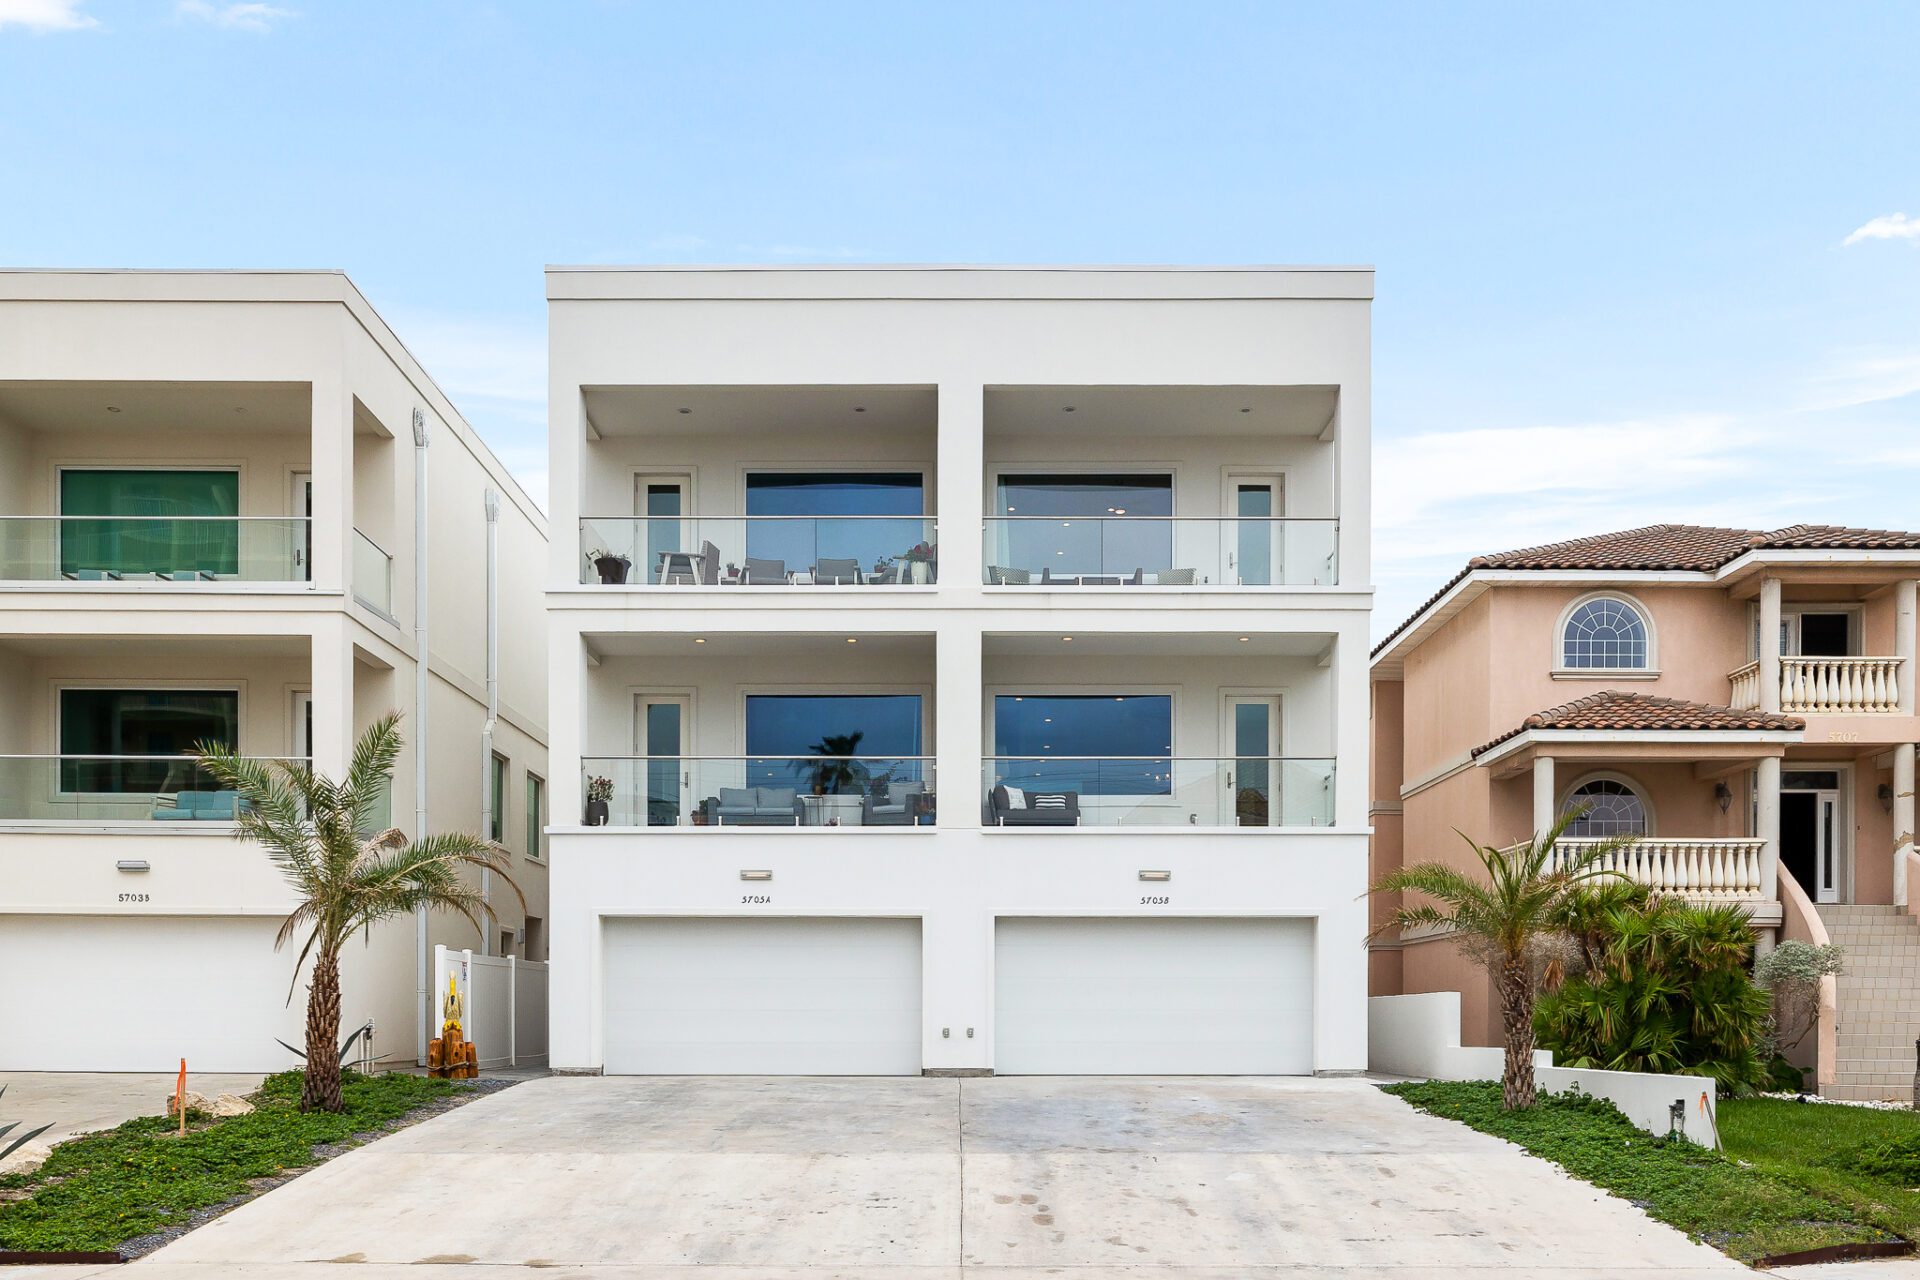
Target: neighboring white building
column 207, row 529
column 1080, row 553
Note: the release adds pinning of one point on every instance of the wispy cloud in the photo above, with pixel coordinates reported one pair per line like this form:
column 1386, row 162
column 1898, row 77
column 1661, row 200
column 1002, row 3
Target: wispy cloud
column 495, row 371
column 234, row 17
column 1864, row 378
column 1891, row 226
column 45, row 15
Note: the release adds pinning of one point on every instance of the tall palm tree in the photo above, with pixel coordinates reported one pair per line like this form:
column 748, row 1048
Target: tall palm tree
column 1502, row 922
column 312, row 828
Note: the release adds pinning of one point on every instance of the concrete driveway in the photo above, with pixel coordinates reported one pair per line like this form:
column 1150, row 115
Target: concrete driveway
column 931, row 1179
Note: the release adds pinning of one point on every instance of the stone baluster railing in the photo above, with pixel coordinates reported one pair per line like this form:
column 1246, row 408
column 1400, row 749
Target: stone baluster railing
column 1839, row 686
column 1706, row 870
column 1746, row 687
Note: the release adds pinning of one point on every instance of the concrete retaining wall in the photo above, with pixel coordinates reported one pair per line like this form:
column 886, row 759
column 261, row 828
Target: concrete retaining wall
column 1419, row 1036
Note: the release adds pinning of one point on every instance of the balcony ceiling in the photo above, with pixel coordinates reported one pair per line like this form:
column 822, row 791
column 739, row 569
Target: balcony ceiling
column 1155, row 645
column 222, row 407
column 783, row 656
column 1159, row 411
column 131, row 650
column 843, row 410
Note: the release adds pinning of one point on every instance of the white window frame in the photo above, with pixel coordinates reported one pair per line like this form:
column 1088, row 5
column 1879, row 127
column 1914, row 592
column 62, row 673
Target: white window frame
column 1634, row 785
column 1560, row 669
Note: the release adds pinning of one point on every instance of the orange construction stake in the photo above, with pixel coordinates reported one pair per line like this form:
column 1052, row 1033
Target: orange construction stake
column 180, row 1097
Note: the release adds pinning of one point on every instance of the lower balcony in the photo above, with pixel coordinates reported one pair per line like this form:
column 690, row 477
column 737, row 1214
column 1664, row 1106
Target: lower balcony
column 1163, row 791
column 117, row 789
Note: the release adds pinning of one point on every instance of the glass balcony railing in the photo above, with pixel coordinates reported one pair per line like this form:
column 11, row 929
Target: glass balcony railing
column 154, row 548
column 1161, row 551
column 372, row 573
column 758, row 791
column 758, row 551
column 1163, row 791
column 112, row 789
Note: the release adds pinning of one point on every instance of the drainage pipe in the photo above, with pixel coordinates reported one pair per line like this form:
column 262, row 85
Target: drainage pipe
column 423, row 960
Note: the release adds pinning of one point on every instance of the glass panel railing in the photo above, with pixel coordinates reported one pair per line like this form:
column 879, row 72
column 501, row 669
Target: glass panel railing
column 1162, row 791
column 758, row 551
column 758, row 791
column 1160, row 551
column 112, row 789
column 372, row 574
column 153, row 548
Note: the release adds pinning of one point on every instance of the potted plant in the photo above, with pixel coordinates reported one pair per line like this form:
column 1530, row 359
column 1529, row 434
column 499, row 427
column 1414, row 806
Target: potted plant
column 599, row 793
column 611, row 568
column 919, row 561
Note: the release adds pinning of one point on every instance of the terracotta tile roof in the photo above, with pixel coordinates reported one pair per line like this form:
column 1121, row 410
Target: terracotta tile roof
column 1660, row 547
column 1612, row 709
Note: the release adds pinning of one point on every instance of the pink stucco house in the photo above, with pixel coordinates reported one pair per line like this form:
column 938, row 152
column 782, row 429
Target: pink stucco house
column 1742, row 699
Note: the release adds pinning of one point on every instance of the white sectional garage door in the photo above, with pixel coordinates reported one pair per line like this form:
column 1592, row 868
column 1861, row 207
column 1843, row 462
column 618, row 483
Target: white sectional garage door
column 1153, row 997
column 138, row 993
column 762, row 997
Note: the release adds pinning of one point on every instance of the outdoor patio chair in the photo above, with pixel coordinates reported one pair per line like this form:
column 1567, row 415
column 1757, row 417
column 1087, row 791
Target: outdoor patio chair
column 838, row 573
column 679, row 568
column 764, row 572
column 1174, row 578
column 1049, row 579
column 709, row 565
column 1002, row 576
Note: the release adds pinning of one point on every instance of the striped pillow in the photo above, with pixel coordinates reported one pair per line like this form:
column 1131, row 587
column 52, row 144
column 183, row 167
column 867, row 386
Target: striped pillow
column 1050, row 802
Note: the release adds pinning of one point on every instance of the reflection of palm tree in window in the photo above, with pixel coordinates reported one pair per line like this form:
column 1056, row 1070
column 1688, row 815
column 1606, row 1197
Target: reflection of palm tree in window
column 836, row 770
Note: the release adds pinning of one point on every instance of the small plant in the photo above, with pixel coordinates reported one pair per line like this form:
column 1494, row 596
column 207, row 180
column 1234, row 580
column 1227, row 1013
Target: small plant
column 599, row 788
column 8, row 1148
column 1792, row 972
column 918, row 553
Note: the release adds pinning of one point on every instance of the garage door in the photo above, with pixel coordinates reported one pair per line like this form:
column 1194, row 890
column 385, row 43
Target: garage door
column 762, row 997
column 121, row 993
column 1153, row 997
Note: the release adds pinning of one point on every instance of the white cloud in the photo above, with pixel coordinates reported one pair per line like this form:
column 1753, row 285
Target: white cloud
column 1891, row 226
column 45, row 15
column 234, row 17
column 1865, row 378
column 495, row 372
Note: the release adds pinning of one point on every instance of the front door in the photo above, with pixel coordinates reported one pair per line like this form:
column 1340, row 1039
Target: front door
column 1810, row 846
column 1253, row 723
column 661, row 724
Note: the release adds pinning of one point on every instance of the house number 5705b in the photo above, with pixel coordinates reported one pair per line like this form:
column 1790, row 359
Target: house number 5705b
column 1155, row 901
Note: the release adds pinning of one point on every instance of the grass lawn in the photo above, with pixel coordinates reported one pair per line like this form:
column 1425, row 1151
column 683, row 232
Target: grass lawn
column 1768, row 1195
column 98, row 1191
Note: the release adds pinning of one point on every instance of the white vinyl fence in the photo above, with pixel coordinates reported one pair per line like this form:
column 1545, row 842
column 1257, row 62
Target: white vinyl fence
column 505, row 1003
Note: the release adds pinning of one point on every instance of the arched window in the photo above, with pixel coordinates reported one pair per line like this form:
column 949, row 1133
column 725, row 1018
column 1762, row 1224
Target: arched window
column 1612, row 809
column 1605, row 634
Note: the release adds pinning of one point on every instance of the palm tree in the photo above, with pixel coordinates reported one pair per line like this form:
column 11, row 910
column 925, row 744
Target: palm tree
column 312, row 828
column 1501, row 923
column 836, row 768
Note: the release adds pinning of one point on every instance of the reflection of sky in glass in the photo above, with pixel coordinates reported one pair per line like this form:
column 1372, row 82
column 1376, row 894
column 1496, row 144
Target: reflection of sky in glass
column 792, row 724
column 1098, row 532
column 803, row 543
column 1085, row 725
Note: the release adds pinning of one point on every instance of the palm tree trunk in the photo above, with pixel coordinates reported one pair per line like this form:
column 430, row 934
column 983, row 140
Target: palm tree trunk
column 320, row 1091
column 1516, row 1016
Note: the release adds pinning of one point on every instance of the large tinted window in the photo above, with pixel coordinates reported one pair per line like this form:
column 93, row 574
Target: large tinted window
column 159, row 540
column 1085, row 524
column 810, row 726
column 854, row 496
column 140, row 722
column 1124, row 742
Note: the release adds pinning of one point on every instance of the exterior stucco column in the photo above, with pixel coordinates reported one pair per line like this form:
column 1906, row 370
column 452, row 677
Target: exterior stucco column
column 1902, row 819
column 958, row 727
column 1767, row 825
column 1905, row 640
column 1544, row 805
column 961, row 483
column 1770, row 645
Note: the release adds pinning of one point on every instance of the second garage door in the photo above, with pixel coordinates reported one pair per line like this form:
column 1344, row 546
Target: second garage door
column 1153, row 997
column 762, row 997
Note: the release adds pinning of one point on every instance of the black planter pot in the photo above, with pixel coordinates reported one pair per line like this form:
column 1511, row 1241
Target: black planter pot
column 596, row 813
column 612, row 569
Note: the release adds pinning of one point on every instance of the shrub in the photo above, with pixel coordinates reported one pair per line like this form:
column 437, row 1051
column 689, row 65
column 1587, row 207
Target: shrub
column 1655, row 984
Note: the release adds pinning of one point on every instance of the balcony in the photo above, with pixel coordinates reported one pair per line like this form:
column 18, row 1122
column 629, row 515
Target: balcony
column 1705, row 870
column 1161, row 551
column 372, row 574
column 1824, row 686
column 758, row 551
column 121, row 789
column 1163, row 791
column 181, row 549
column 758, row 791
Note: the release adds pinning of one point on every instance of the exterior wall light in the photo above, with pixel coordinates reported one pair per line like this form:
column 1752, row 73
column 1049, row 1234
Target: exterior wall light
column 1886, row 797
column 1724, row 794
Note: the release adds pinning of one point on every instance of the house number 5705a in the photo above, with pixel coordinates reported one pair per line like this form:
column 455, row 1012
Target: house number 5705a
column 755, row 899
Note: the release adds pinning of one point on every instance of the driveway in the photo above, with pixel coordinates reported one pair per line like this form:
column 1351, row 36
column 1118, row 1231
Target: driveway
column 758, row 1179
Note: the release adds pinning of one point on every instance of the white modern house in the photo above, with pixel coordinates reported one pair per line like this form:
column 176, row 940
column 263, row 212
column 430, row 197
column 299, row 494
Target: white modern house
column 959, row 670
column 233, row 507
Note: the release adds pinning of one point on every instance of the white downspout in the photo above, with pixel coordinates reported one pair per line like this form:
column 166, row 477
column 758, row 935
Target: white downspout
column 493, row 700
column 423, row 956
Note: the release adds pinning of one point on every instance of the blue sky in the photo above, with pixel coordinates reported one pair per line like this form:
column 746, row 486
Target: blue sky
column 1636, row 263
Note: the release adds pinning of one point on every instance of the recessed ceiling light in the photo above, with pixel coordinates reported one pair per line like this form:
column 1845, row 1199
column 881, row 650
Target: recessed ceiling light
column 685, row 410
column 1048, row 720
column 113, row 408
column 852, row 640
column 1246, row 411
column 1021, row 699
column 1119, row 511
column 699, row 639
column 1066, row 639
column 1066, row 408
column 1244, row 639
column 859, row 408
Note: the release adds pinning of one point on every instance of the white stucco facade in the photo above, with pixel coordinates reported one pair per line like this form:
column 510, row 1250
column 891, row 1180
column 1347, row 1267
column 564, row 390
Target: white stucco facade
column 1202, row 376
column 288, row 383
